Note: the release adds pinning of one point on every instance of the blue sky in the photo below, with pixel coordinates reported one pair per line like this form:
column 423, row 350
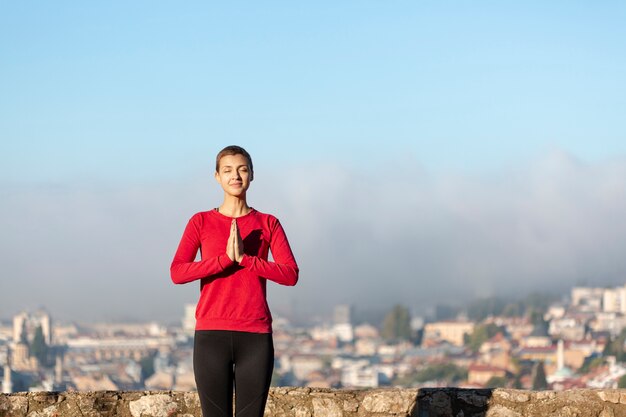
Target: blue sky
column 144, row 90
column 98, row 98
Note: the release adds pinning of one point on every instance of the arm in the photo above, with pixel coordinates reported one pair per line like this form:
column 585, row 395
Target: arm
column 184, row 268
column 284, row 270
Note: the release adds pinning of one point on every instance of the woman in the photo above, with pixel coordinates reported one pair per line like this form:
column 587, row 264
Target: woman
column 233, row 338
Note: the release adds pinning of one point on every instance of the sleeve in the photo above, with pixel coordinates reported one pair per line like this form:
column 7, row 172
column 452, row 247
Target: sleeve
column 184, row 268
column 284, row 270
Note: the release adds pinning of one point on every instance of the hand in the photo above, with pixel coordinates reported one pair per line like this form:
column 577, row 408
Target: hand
column 237, row 243
column 230, row 245
column 234, row 246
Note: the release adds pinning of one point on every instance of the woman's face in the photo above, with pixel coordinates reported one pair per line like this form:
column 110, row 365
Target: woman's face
column 234, row 174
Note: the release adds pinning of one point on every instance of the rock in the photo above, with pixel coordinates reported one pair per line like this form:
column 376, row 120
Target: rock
column 47, row 398
column 351, row 406
column 326, row 407
column 191, row 400
column 501, row 411
column 476, row 400
column 14, row 405
column 302, row 412
column 611, row 396
column 607, row 412
column 409, row 400
column 517, row 396
column 300, row 391
column 51, row 411
column 306, row 402
column 545, row 395
column 377, row 402
column 569, row 411
column 389, row 401
column 153, row 406
column 440, row 404
column 280, row 391
column 97, row 404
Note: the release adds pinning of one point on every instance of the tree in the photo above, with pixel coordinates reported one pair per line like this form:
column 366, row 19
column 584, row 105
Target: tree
column 23, row 334
column 482, row 308
column 496, row 382
column 615, row 347
column 480, row 335
column 39, row 348
column 538, row 301
column 536, row 317
column 397, row 324
column 447, row 372
column 591, row 363
column 539, row 377
column 514, row 309
column 147, row 366
column 445, row 312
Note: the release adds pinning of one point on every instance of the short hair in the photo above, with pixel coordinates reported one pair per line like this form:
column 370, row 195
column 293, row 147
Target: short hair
column 234, row 150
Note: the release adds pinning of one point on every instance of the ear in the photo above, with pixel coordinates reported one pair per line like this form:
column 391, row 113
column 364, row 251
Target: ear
column 217, row 177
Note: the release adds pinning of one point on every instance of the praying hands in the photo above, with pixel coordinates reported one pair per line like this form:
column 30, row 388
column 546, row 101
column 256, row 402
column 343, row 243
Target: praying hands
column 234, row 246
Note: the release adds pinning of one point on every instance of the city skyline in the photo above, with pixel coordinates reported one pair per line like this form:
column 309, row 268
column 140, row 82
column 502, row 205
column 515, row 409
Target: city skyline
column 577, row 341
column 415, row 153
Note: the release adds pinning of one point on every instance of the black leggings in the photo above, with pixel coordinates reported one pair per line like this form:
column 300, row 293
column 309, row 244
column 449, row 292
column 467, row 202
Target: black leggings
column 222, row 358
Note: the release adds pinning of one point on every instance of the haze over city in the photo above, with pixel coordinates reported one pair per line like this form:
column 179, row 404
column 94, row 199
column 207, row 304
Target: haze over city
column 415, row 153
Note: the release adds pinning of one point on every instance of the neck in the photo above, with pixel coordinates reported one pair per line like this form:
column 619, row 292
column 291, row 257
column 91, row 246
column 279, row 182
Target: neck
column 234, row 207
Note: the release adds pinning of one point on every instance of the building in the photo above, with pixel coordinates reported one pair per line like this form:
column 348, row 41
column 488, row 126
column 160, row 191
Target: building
column 614, row 300
column 357, row 376
column 366, row 331
column 189, row 319
column 303, row 365
column 7, row 384
column 342, row 319
column 539, row 337
column 449, row 331
column 342, row 314
column 545, row 354
column 609, row 322
column 344, row 332
column 21, row 359
column 567, row 328
column 25, row 325
column 481, row 373
column 587, row 299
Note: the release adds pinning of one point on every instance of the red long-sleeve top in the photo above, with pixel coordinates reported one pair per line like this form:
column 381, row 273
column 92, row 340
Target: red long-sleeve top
column 233, row 295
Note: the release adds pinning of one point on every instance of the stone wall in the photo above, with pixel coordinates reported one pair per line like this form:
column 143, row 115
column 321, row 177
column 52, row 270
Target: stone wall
column 306, row 402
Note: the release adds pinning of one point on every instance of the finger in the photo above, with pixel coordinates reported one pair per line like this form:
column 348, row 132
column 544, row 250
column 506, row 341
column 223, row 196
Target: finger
column 239, row 244
column 233, row 231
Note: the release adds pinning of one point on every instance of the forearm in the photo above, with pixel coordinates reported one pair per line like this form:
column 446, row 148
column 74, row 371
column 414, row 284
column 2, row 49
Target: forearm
column 281, row 273
column 184, row 267
column 182, row 271
column 284, row 270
